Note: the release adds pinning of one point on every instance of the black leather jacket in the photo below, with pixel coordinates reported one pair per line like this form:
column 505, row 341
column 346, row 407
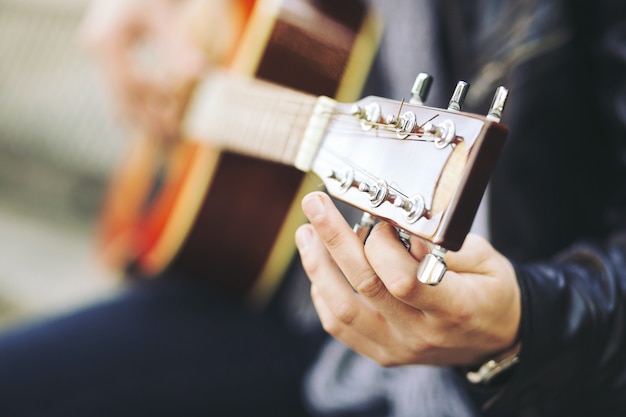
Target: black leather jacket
column 558, row 206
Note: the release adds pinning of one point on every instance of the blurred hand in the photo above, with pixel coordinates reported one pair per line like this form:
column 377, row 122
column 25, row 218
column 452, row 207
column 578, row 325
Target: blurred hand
column 152, row 51
column 368, row 295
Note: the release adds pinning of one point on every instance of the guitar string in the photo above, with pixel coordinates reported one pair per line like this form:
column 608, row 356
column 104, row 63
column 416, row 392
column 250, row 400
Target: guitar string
column 285, row 119
column 383, row 130
column 259, row 91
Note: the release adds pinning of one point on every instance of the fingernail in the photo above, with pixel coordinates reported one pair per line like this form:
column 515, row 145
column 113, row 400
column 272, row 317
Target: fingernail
column 303, row 237
column 313, row 206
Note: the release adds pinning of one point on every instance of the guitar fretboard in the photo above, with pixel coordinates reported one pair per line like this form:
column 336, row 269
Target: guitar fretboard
column 250, row 117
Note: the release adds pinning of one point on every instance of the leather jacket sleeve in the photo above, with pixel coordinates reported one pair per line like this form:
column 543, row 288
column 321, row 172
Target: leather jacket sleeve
column 573, row 356
column 561, row 188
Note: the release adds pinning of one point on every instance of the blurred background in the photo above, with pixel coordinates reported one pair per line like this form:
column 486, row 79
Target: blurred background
column 59, row 143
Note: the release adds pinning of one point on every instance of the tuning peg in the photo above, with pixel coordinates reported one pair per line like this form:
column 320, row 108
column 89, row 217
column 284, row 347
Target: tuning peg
column 364, row 226
column 432, row 268
column 497, row 105
column 443, row 134
column 414, row 208
column 458, row 97
column 369, row 115
column 405, row 238
column 345, row 177
column 420, row 89
column 377, row 193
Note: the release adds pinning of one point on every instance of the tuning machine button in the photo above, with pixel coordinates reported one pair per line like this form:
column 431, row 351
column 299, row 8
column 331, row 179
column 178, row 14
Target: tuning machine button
column 405, row 238
column 497, row 105
column 363, row 228
column 458, row 97
column 433, row 267
column 421, row 88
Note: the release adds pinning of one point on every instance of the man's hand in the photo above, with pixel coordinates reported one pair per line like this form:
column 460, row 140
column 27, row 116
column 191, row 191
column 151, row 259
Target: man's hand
column 368, row 295
column 152, row 51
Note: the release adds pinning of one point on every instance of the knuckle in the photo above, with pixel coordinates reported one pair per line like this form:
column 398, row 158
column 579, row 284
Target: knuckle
column 430, row 343
column 402, row 286
column 457, row 314
column 334, row 239
column 315, row 295
column 461, row 316
column 309, row 263
column 388, row 360
column 331, row 327
column 345, row 313
column 369, row 285
column 335, row 326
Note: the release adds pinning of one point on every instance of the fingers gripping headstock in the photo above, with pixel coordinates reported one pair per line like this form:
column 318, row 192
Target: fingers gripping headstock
column 422, row 169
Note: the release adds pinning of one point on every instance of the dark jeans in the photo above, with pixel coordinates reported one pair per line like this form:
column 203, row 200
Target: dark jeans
column 168, row 347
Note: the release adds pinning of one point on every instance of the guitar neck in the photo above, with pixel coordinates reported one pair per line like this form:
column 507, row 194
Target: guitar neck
column 252, row 117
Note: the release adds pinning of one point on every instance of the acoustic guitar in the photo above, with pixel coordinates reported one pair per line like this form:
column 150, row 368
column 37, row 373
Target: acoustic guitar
column 224, row 203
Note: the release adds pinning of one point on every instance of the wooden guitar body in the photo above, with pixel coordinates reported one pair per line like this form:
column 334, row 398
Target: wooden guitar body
column 223, row 216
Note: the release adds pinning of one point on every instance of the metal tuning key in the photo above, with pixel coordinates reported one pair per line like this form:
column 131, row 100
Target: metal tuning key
column 409, row 164
column 405, row 238
column 364, row 226
column 458, row 97
column 369, row 115
column 443, row 134
column 497, row 105
column 421, row 88
column 377, row 193
column 433, row 267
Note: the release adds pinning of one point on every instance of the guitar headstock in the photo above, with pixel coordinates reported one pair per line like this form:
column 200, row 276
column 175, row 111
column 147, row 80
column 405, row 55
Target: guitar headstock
column 420, row 168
